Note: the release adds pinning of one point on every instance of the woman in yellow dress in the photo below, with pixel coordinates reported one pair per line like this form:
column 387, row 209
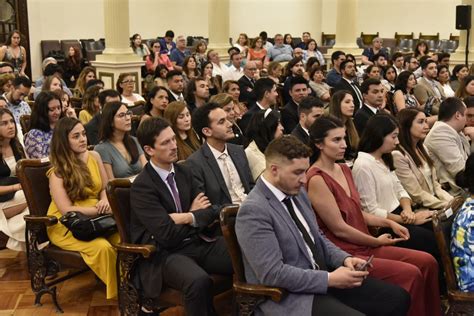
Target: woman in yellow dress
column 77, row 182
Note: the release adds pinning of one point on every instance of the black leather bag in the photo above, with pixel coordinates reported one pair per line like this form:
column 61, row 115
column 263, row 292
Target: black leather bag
column 88, row 228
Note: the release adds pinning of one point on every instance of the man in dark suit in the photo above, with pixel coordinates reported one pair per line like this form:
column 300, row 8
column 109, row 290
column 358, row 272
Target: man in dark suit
column 309, row 110
column 373, row 94
column 92, row 127
column 265, row 91
column 348, row 83
column 221, row 169
column 282, row 246
column 175, row 82
column 289, row 114
column 169, row 211
column 247, row 83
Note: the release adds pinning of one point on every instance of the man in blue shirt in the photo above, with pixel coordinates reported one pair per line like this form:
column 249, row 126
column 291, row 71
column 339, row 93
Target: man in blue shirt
column 178, row 54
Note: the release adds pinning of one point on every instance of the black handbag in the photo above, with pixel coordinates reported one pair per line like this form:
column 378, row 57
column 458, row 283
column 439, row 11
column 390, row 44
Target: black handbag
column 8, row 181
column 88, row 228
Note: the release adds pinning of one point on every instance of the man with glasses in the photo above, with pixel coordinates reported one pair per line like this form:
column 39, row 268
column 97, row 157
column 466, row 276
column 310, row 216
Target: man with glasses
column 280, row 51
column 178, row 54
column 376, row 48
column 247, row 83
column 20, row 89
column 411, row 63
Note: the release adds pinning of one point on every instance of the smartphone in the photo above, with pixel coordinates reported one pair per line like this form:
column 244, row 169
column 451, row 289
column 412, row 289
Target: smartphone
column 366, row 264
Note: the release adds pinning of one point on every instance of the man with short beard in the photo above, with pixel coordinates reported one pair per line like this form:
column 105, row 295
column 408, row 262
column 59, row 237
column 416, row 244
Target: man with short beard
column 428, row 90
column 348, row 83
column 20, row 88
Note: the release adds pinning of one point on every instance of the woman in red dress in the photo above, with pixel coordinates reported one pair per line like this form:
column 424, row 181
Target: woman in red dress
column 341, row 218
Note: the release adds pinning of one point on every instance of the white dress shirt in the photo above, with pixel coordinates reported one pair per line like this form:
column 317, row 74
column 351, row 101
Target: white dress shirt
column 379, row 188
column 232, row 73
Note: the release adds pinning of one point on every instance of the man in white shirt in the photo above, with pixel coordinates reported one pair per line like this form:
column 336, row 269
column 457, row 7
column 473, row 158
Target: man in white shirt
column 221, row 169
column 449, row 147
column 373, row 94
column 235, row 71
column 218, row 67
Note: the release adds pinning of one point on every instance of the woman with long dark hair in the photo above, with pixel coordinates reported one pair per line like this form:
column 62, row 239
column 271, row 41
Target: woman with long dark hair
column 13, row 53
column 121, row 153
column 156, row 103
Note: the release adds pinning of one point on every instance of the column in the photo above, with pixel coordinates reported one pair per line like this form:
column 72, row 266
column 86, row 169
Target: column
column 117, row 57
column 346, row 28
column 218, row 21
column 459, row 56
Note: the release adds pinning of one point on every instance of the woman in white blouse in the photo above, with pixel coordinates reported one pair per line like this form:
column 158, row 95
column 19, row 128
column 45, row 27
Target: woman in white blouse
column 443, row 78
column 381, row 193
column 414, row 166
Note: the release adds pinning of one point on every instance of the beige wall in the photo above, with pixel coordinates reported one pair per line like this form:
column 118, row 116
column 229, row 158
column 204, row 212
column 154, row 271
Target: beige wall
column 48, row 18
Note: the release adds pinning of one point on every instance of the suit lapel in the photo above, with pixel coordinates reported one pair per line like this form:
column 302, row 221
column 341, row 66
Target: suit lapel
column 285, row 216
column 168, row 202
column 211, row 161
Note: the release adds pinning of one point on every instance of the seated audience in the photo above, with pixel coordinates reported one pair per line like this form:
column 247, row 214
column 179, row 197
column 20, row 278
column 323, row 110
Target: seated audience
column 319, row 86
column 421, row 49
column 283, row 247
column 226, row 102
column 190, row 69
column 389, row 79
column 167, row 44
column 73, row 65
column 376, row 48
column 121, row 154
column 247, row 83
column 221, row 169
column 466, row 88
column 413, row 166
column 305, row 36
column 125, row 86
column 288, row 40
column 199, row 52
column 235, row 70
column 214, row 83
column 403, row 96
column 257, row 52
column 156, row 58
column 6, row 81
column 309, row 110
column 66, row 106
column 264, row 127
column 459, row 73
column 90, row 104
column 397, row 62
column 428, row 91
column 13, row 203
column 20, row 89
column 159, row 79
column 448, row 146
column 187, row 142
column 373, row 95
column 443, row 79
column 175, row 85
column 349, row 83
column 342, row 107
column 231, row 87
column 45, row 115
column 289, row 114
column 266, row 94
column 51, row 70
column 197, row 93
column 372, row 71
column 469, row 101
column 179, row 53
column 87, row 73
column 342, row 220
column 169, row 210
column 279, row 52
column 462, row 242
column 381, row 193
column 242, row 44
column 156, row 103
column 334, row 75
column 77, row 182
column 139, row 48
column 219, row 68
column 275, row 71
column 312, row 51
column 293, row 68
column 92, row 128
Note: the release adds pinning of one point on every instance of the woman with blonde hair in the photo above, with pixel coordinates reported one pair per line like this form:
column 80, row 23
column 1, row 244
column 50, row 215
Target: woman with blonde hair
column 90, row 104
column 77, row 181
column 342, row 107
column 87, row 74
column 177, row 113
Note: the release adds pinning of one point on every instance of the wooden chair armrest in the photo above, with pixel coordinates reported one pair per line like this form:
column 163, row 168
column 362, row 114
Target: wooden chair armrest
column 144, row 250
column 462, row 296
column 47, row 220
column 274, row 293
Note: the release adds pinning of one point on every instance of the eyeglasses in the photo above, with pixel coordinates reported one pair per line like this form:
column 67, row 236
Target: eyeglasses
column 123, row 114
column 252, row 69
column 128, row 81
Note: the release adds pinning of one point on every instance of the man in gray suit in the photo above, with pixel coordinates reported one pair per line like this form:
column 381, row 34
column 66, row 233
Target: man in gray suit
column 283, row 247
column 428, row 88
column 221, row 169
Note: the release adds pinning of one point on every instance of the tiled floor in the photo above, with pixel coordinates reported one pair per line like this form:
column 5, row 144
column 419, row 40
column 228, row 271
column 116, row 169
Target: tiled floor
column 81, row 295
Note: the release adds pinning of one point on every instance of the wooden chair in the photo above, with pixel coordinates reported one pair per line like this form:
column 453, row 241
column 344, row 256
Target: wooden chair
column 398, row 37
column 248, row 296
column 426, row 37
column 137, row 108
column 130, row 298
column 328, row 39
column 368, row 38
column 453, row 37
column 25, row 120
column 135, row 123
column 50, row 259
column 76, row 102
column 460, row 303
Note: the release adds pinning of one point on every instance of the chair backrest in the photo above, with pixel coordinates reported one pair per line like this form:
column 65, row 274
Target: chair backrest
column 135, row 123
column 442, row 231
column 227, row 221
column 65, row 44
column 25, row 120
column 368, row 38
column 427, row 37
column 328, row 39
column 35, row 185
column 138, row 108
column 118, row 194
column 398, row 37
column 48, row 46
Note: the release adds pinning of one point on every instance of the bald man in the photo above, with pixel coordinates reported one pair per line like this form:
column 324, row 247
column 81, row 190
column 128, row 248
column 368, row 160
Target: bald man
column 247, row 82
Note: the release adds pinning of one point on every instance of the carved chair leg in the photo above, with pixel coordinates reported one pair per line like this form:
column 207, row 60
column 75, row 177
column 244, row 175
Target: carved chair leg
column 127, row 294
column 248, row 303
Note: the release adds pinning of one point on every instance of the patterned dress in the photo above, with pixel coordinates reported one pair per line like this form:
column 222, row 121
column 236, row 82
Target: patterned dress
column 462, row 246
